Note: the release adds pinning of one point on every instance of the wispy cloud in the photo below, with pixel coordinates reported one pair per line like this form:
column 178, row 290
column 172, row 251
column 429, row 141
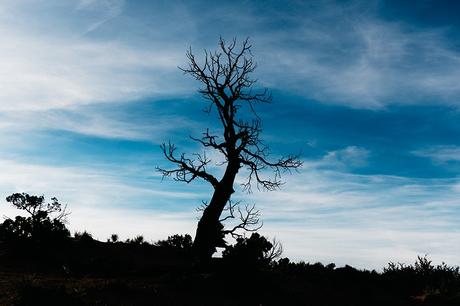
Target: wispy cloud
column 107, row 9
column 318, row 214
column 39, row 76
column 335, row 54
column 375, row 63
column 349, row 157
column 330, row 52
column 440, row 154
column 367, row 219
column 97, row 198
column 95, row 122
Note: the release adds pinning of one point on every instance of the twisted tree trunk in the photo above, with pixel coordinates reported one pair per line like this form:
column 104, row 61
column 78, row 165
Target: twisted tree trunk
column 209, row 234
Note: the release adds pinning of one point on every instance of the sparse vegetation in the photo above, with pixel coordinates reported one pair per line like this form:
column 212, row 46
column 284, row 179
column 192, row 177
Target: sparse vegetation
column 44, row 223
column 79, row 270
column 84, row 237
column 253, row 252
column 182, row 243
column 113, row 238
column 138, row 240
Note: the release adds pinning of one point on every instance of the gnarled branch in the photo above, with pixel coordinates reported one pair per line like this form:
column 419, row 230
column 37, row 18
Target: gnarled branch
column 188, row 169
column 249, row 219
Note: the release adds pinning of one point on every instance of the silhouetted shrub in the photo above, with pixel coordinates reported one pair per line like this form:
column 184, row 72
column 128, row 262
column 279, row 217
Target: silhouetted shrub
column 182, row 243
column 423, row 277
column 315, row 271
column 139, row 240
column 255, row 251
column 45, row 222
column 113, row 238
column 83, row 237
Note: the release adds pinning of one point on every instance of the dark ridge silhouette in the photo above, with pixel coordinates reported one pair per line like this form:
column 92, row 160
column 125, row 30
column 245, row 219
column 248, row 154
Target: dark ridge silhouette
column 42, row 264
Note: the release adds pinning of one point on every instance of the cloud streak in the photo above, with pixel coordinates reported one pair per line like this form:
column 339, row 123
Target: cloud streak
column 319, row 215
column 366, row 220
column 343, row 57
column 440, row 154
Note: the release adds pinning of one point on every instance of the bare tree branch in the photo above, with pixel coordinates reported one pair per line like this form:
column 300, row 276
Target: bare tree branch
column 275, row 252
column 228, row 86
column 188, row 169
column 231, row 92
column 249, row 219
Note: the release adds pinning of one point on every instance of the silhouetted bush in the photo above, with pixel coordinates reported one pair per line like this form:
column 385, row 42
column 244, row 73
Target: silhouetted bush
column 423, row 277
column 138, row 240
column 45, row 223
column 83, row 237
column 255, row 251
column 182, row 243
column 113, row 238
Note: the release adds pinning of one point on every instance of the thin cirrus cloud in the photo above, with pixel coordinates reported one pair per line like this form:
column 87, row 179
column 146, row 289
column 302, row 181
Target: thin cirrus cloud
column 39, row 76
column 96, row 198
column 88, row 122
column 349, row 157
column 106, row 10
column 365, row 62
column 440, row 153
column 48, row 68
column 367, row 219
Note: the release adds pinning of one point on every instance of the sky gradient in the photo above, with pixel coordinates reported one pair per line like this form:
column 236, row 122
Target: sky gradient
column 367, row 92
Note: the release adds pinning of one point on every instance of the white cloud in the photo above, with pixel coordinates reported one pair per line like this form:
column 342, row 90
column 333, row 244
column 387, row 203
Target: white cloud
column 367, row 248
column 343, row 57
column 359, row 61
column 318, row 215
column 440, row 154
column 62, row 55
column 349, row 157
column 105, row 124
column 105, row 11
column 52, row 67
column 47, row 74
column 364, row 220
column 104, row 202
column 48, row 61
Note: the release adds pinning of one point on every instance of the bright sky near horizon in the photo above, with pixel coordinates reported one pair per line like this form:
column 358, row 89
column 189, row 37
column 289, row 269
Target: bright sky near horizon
column 367, row 91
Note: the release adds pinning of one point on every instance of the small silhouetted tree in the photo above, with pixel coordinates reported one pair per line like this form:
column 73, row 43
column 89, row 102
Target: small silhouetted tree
column 255, row 251
column 113, row 238
column 230, row 91
column 45, row 221
column 178, row 242
column 83, row 237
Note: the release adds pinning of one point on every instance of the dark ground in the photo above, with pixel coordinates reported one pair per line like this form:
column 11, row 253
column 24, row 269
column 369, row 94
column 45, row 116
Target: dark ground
column 97, row 273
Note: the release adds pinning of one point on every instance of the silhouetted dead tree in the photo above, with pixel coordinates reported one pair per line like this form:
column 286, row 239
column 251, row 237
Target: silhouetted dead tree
column 227, row 85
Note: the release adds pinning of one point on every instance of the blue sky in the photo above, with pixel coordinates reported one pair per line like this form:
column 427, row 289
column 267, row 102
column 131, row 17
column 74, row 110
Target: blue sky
column 366, row 91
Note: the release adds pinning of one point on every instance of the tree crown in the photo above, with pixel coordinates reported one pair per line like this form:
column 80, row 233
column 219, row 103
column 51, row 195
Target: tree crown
column 229, row 88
